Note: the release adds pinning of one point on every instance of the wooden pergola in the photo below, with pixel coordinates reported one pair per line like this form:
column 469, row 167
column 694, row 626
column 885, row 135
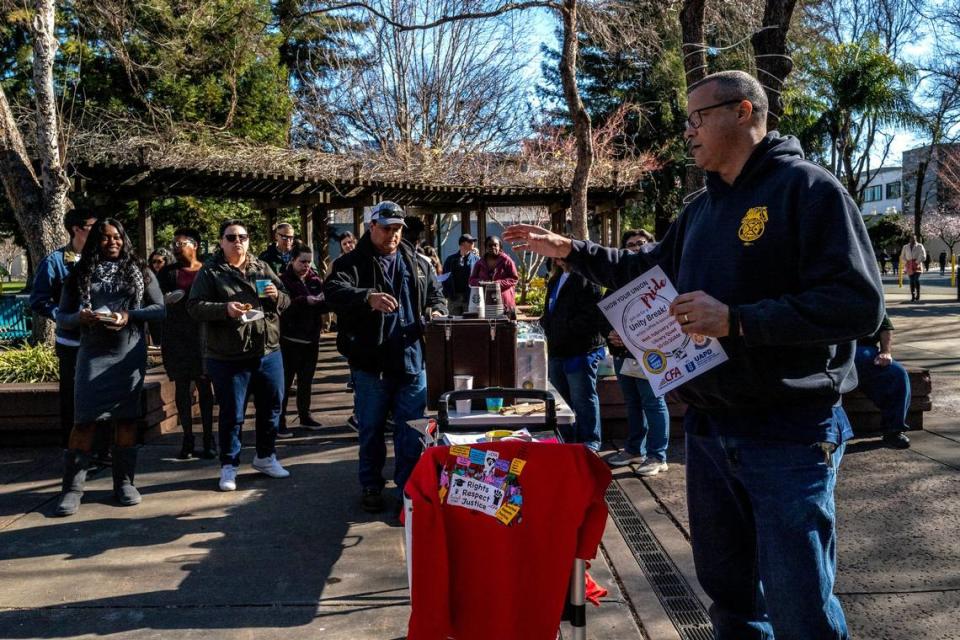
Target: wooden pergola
column 136, row 179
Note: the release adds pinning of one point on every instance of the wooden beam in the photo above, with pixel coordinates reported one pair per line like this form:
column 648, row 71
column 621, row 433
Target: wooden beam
column 558, row 218
column 465, row 220
column 306, row 224
column 481, row 223
column 144, row 227
column 270, row 217
column 319, row 240
column 358, row 221
column 615, row 230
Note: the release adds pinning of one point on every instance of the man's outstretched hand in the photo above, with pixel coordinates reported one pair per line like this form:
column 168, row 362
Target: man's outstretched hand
column 529, row 237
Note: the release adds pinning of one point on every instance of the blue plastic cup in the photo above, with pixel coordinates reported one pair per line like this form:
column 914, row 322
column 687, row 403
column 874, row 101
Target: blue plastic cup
column 494, row 405
column 262, row 287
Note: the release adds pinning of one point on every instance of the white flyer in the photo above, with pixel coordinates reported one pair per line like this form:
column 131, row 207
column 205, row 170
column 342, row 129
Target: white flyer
column 639, row 312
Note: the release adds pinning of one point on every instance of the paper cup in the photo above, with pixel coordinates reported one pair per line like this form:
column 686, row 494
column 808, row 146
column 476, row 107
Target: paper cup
column 460, row 383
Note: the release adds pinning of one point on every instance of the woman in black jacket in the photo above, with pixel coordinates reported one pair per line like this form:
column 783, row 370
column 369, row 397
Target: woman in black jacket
column 300, row 328
column 575, row 345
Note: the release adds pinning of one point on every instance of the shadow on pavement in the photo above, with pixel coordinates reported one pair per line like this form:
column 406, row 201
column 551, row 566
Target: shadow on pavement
column 274, row 551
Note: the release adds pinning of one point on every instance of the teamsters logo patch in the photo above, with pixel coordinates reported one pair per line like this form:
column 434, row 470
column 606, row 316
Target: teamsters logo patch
column 753, row 224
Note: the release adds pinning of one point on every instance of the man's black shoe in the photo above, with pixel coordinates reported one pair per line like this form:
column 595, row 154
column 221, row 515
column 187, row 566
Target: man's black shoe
column 897, row 440
column 371, row 500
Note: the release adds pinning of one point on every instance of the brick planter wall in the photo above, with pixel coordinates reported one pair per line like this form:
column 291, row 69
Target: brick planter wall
column 30, row 413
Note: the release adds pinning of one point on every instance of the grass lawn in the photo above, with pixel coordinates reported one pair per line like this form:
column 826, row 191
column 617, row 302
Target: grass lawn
column 12, row 287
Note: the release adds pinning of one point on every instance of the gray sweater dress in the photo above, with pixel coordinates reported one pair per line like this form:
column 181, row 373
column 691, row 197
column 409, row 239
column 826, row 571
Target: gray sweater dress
column 111, row 364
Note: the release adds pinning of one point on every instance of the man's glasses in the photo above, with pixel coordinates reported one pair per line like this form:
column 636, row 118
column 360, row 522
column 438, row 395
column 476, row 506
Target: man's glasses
column 695, row 119
column 634, row 245
column 233, row 237
column 283, row 237
column 186, row 243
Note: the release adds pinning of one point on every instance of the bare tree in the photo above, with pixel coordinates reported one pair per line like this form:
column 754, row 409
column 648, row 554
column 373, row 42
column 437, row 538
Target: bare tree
column 10, row 252
column 940, row 88
column 568, row 11
column 457, row 88
column 770, row 53
column 528, row 264
column 38, row 202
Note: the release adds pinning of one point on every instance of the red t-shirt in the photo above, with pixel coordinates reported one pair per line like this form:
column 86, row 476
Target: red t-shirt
column 477, row 578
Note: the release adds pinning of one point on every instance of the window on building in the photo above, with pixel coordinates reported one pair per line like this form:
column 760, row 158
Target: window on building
column 893, row 190
column 873, row 194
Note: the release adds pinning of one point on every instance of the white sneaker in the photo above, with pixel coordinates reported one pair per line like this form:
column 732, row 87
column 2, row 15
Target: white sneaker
column 270, row 466
column 651, row 468
column 228, row 477
column 623, row 458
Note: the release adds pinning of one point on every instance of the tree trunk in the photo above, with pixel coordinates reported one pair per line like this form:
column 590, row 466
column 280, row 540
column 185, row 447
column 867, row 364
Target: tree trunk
column 918, row 197
column 582, row 129
column 770, row 55
column 25, row 196
column 38, row 203
column 695, row 66
column 53, row 175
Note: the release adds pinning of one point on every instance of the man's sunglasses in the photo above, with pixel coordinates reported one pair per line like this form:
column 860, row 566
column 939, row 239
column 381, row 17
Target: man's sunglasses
column 695, row 119
column 283, row 237
column 185, row 243
column 233, row 237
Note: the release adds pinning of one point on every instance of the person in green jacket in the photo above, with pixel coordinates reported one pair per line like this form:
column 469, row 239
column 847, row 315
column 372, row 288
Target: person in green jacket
column 240, row 298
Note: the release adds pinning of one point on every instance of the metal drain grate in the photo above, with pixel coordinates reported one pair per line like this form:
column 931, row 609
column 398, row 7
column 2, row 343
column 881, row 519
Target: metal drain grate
column 676, row 596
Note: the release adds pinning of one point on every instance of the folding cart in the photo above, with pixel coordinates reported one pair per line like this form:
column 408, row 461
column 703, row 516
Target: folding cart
column 446, row 422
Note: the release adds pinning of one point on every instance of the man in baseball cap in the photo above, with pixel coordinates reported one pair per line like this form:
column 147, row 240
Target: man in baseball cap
column 381, row 292
column 387, row 213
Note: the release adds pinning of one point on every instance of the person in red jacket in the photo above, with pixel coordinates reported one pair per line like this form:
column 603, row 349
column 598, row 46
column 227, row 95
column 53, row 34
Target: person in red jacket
column 300, row 328
column 503, row 271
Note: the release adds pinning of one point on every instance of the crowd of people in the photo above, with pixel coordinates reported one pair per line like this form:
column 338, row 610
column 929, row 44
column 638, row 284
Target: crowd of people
column 771, row 260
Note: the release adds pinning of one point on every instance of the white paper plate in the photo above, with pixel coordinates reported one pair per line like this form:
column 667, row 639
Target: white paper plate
column 252, row 315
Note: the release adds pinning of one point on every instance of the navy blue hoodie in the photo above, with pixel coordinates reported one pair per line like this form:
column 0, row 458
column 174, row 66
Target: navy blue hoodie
column 786, row 244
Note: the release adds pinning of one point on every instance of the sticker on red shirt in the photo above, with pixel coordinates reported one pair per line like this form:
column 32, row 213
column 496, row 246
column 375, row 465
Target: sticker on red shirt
column 480, row 481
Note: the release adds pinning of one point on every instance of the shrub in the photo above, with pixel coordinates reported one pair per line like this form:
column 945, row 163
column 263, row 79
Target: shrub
column 537, row 297
column 28, row 365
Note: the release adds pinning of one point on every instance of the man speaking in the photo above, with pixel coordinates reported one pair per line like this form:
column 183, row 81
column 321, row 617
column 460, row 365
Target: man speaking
column 772, row 258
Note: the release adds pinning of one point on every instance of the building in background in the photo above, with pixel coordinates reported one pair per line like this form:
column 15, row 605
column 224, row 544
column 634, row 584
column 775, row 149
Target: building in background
column 883, row 194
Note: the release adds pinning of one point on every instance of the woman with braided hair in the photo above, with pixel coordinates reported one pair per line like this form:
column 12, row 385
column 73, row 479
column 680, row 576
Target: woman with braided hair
column 108, row 297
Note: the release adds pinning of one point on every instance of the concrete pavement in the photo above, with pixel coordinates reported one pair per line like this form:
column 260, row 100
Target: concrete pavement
column 283, row 559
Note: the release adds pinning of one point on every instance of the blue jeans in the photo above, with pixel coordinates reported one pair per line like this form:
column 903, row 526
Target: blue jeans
column 763, row 532
column 914, row 285
column 263, row 377
column 648, row 419
column 374, row 395
column 579, row 390
column 887, row 387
